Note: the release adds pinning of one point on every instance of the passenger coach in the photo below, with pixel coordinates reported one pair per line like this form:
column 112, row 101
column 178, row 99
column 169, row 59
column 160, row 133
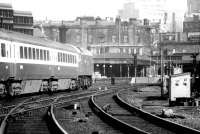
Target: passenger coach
column 29, row 64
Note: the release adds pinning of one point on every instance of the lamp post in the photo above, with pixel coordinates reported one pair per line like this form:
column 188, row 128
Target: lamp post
column 110, row 70
column 104, row 69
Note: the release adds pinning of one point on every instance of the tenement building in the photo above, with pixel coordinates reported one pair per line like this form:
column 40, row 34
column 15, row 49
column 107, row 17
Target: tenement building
column 19, row 21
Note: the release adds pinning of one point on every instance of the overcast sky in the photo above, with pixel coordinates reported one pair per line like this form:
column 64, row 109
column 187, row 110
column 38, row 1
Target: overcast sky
column 70, row 9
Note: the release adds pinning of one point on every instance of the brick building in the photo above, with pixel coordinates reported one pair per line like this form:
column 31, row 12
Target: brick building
column 176, row 50
column 112, row 42
column 19, row 21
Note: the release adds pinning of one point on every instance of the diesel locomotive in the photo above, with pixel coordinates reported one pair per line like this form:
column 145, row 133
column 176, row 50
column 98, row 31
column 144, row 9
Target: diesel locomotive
column 31, row 64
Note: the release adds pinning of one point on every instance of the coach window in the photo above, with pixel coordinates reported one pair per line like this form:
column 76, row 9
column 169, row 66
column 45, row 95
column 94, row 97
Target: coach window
column 58, row 57
column 3, row 50
column 34, row 53
column 66, row 58
column 25, row 53
column 21, row 52
column 37, row 54
column 30, row 53
column 41, row 54
column 73, row 59
column 63, row 55
column 45, row 54
column 70, row 58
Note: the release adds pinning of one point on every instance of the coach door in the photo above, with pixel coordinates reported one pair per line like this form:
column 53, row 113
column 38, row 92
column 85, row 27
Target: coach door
column 11, row 55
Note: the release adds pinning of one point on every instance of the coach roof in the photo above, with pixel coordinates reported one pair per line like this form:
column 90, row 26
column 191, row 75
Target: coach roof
column 29, row 39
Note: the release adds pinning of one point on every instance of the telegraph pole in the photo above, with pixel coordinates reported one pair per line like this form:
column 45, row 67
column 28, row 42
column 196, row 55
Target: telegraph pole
column 135, row 64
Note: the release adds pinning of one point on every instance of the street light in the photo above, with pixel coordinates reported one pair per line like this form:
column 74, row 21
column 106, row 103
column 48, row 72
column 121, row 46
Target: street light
column 104, row 69
column 110, row 70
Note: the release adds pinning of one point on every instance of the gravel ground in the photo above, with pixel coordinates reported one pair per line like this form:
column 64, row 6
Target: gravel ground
column 149, row 99
column 82, row 121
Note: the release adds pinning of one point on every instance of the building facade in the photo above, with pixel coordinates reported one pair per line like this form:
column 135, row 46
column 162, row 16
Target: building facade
column 114, row 44
column 19, row 21
column 23, row 22
column 193, row 7
column 6, row 16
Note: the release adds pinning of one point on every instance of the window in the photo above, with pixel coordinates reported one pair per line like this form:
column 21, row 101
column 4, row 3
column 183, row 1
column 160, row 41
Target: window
column 30, row 52
column 21, row 52
column 58, row 57
column 78, row 39
column 47, row 55
column 75, row 60
column 34, row 53
column 113, row 39
column 41, row 54
column 37, row 54
column 90, row 39
column 125, row 39
column 3, row 50
column 25, row 52
column 140, row 51
column 70, row 58
column 61, row 57
column 64, row 59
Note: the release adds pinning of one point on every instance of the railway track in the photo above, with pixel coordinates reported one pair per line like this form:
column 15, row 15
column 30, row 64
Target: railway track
column 134, row 123
column 30, row 113
column 38, row 100
column 30, row 116
column 83, row 121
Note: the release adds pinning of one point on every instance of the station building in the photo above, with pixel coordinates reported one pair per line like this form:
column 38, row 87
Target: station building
column 19, row 21
column 114, row 43
column 120, row 48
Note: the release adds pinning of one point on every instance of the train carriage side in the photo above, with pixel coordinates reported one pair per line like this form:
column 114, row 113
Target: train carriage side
column 66, row 69
column 5, row 64
column 31, row 65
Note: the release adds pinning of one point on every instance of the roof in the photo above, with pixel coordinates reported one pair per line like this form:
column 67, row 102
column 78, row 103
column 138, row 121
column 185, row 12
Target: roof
column 5, row 6
column 22, row 27
column 24, row 38
column 22, row 13
column 82, row 50
column 121, row 56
